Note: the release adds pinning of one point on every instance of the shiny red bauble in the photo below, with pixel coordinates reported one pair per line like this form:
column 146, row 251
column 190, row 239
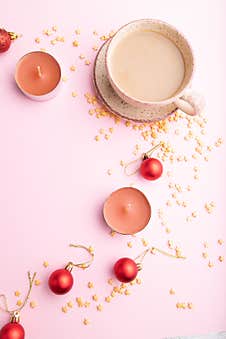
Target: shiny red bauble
column 12, row 331
column 125, row 270
column 5, row 40
column 151, row 169
column 61, row 281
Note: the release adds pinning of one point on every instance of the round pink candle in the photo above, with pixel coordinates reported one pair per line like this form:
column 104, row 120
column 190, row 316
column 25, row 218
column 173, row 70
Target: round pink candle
column 38, row 75
column 127, row 210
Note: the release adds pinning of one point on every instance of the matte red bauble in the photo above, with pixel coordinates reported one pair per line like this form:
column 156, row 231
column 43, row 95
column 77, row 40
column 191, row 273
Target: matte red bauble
column 125, row 270
column 61, row 281
column 12, row 330
column 151, row 169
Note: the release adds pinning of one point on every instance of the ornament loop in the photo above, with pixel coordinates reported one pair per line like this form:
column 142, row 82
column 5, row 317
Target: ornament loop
column 149, row 153
column 15, row 312
column 144, row 156
column 84, row 264
column 139, row 259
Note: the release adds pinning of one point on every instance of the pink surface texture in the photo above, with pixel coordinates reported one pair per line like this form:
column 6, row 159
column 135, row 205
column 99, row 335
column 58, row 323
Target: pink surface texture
column 54, row 181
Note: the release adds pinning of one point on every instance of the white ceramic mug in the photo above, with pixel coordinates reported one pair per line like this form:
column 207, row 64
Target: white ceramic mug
column 185, row 99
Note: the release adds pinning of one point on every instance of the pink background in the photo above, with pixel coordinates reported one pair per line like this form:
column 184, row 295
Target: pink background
column 53, row 181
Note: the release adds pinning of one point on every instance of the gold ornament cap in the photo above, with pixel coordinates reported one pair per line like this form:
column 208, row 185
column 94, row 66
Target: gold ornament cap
column 15, row 317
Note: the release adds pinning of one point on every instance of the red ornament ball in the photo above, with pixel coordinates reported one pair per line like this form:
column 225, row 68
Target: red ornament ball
column 12, row 331
column 61, row 281
column 151, row 169
column 5, row 40
column 125, row 270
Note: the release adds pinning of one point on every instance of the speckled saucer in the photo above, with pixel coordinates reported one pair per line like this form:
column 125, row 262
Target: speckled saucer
column 114, row 103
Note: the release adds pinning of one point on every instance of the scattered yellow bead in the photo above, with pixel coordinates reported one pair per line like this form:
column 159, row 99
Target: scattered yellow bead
column 95, row 297
column 100, row 307
column 153, row 250
column 138, row 281
column 60, row 38
column 112, row 233
column 75, row 43
column 116, row 289
column 169, row 203
column 190, row 305
column 109, row 172
column 86, row 321
column 45, row 264
column 97, row 137
column 77, row 31
column 70, row 304
column 220, row 241
column 194, row 214
column 87, row 62
column 127, row 292
column 91, row 249
column 37, row 282
column 144, row 242
column 104, row 37
column 90, row 284
column 129, row 244
column 123, row 285
column 73, row 68
column 64, row 309
column 87, row 304
column 205, row 244
column 81, row 56
column 133, row 282
column 107, row 136
column 110, row 281
column 74, row 94
column 33, row 304
column 19, row 303
column 17, row 293
column 55, row 28
column 79, row 302
column 210, row 264
column 108, row 299
column 37, row 40
column 122, row 163
column 172, row 291
column 205, row 255
column 47, row 32
column 221, row 258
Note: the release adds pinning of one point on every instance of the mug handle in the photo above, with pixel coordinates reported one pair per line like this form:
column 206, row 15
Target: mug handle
column 191, row 102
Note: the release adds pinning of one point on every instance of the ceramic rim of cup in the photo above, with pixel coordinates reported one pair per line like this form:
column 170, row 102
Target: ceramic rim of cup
column 112, row 227
column 143, row 102
column 42, row 97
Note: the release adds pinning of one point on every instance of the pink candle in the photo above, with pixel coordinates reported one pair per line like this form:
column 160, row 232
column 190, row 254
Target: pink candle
column 38, row 75
column 127, row 210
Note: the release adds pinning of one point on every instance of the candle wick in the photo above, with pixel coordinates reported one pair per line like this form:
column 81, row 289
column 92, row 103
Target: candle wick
column 39, row 71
